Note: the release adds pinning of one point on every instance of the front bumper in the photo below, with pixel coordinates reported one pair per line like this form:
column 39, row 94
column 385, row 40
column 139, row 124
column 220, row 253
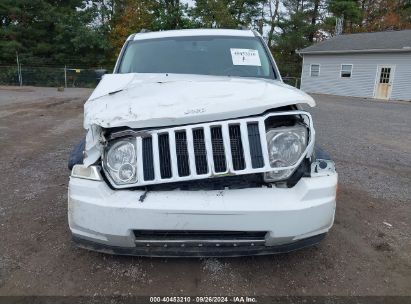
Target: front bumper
column 104, row 220
column 195, row 251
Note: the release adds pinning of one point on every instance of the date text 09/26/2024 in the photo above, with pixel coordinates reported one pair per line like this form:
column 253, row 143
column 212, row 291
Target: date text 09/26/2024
column 203, row 299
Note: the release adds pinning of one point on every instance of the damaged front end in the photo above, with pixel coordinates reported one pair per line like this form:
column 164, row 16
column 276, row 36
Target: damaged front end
column 208, row 154
column 241, row 153
column 246, row 186
column 275, row 148
column 166, row 145
column 207, row 181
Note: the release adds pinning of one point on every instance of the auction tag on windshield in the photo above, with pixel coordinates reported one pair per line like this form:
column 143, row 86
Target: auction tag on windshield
column 245, row 57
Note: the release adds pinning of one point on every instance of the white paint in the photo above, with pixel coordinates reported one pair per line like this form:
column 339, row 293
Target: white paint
column 93, row 149
column 155, row 100
column 192, row 32
column 245, row 57
column 108, row 216
column 111, row 83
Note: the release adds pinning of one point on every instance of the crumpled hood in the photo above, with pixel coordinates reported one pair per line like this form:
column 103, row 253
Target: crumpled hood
column 155, row 100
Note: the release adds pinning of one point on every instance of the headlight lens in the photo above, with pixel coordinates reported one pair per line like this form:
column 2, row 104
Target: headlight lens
column 121, row 163
column 285, row 147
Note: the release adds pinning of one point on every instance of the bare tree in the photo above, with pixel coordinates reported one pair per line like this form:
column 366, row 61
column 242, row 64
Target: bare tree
column 273, row 13
column 314, row 17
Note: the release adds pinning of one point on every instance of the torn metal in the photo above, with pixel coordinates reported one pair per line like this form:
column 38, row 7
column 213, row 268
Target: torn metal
column 155, row 100
column 94, row 145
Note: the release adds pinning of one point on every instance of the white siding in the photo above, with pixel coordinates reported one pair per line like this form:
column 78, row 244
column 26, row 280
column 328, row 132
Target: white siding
column 364, row 71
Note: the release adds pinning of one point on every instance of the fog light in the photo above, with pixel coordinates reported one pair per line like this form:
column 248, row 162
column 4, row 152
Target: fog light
column 126, row 172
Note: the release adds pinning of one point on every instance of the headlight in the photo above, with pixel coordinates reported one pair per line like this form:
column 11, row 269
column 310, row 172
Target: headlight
column 120, row 161
column 285, row 147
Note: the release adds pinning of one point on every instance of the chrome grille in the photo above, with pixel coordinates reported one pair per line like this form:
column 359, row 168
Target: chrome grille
column 231, row 147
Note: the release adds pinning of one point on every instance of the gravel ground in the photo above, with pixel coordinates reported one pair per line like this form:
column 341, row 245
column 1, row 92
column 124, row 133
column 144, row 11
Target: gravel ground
column 368, row 251
column 14, row 95
column 376, row 135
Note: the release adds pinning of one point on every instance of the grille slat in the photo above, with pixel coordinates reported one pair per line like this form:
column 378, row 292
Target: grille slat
column 148, row 164
column 183, row 164
column 217, row 145
column 206, row 150
column 246, row 145
column 164, row 155
column 237, row 152
column 218, row 149
column 200, row 151
column 256, row 153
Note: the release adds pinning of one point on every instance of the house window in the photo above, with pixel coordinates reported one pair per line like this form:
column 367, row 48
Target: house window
column 315, row 70
column 346, row 70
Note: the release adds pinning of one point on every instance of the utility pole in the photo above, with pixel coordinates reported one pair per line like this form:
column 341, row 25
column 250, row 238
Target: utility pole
column 339, row 24
column 19, row 70
column 65, row 76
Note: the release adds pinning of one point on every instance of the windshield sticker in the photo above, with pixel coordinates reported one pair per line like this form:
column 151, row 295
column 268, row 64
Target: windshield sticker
column 245, row 57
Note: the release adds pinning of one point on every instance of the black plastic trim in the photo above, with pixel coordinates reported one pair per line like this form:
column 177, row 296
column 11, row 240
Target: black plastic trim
column 121, row 56
column 198, row 251
column 76, row 155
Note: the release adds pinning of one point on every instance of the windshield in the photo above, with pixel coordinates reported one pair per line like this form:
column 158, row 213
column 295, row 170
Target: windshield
column 204, row 55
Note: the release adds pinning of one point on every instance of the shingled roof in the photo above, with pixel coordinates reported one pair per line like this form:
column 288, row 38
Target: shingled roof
column 393, row 41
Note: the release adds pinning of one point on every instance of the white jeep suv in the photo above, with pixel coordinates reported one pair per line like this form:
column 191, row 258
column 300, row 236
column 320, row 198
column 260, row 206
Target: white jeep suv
column 196, row 147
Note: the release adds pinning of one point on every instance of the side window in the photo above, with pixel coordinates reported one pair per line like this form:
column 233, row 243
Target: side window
column 346, row 70
column 385, row 75
column 315, row 70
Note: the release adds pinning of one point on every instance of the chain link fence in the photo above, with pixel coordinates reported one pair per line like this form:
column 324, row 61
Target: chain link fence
column 71, row 77
column 50, row 76
column 292, row 81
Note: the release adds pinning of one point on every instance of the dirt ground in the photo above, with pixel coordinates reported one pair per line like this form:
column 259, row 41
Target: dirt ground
column 367, row 252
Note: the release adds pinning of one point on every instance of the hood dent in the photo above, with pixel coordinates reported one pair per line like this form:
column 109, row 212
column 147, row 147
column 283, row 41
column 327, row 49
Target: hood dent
column 155, row 100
